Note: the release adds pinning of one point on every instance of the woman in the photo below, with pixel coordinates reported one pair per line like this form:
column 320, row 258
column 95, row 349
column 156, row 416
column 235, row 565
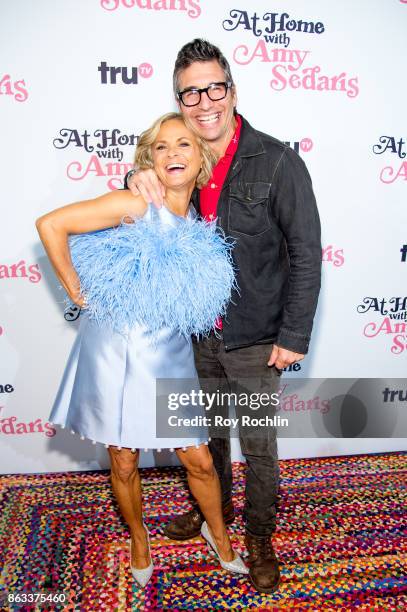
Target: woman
column 107, row 393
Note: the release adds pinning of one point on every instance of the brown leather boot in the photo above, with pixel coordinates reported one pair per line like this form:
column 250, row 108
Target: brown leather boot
column 188, row 525
column 264, row 572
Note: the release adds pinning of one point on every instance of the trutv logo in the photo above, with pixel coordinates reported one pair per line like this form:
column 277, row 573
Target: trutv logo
column 300, row 146
column 113, row 75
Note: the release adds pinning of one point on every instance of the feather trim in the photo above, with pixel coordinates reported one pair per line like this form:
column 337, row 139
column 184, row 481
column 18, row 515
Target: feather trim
column 156, row 274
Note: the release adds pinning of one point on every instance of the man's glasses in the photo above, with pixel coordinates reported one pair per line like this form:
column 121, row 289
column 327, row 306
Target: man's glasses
column 214, row 91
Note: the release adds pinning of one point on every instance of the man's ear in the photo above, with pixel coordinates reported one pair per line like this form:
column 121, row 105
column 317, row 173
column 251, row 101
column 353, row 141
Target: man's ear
column 234, row 96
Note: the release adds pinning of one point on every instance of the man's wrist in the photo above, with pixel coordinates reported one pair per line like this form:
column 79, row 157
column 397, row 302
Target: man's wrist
column 293, row 341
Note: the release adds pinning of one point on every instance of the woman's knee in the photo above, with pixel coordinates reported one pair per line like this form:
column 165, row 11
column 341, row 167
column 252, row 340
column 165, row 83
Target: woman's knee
column 123, row 463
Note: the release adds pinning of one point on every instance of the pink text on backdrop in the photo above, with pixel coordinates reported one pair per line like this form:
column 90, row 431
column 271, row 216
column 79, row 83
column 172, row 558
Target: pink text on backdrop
column 390, row 145
column 390, row 174
column 17, row 89
column 11, row 426
column 387, row 327
column 77, row 171
column 289, row 71
column 21, row 270
column 296, row 403
column 191, row 7
column 333, row 256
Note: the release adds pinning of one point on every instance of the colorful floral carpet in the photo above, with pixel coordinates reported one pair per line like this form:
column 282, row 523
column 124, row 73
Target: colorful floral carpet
column 339, row 540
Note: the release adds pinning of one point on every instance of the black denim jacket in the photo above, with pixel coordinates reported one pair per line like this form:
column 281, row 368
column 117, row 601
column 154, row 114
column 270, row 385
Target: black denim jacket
column 268, row 207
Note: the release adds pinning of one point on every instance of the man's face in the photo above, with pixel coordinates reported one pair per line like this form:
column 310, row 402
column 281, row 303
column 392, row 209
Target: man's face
column 213, row 120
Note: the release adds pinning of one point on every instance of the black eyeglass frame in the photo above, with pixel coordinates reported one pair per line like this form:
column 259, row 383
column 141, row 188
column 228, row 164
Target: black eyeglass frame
column 226, row 84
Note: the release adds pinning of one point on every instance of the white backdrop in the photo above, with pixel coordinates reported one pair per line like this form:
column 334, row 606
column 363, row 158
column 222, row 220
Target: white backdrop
column 336, row 92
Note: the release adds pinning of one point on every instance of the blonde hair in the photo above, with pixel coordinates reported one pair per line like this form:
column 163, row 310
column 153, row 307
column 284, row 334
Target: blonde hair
column 144, row 158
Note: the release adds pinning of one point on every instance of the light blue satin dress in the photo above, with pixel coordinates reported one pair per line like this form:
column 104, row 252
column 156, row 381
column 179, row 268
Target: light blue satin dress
column 108, row 390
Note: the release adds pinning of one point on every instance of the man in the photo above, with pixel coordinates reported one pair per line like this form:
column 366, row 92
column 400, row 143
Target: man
column 261, row 195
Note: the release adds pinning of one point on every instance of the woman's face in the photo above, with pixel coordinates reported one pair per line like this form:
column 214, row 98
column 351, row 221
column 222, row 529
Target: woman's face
column 176, row 155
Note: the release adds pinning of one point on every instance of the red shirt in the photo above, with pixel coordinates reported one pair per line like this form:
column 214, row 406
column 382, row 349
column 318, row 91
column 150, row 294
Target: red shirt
column 209, row 196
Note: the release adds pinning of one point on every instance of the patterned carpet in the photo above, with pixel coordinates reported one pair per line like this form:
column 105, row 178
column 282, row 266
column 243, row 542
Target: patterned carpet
column 339, row 540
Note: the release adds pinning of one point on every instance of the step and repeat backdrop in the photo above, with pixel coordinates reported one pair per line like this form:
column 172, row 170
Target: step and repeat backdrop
column 79, row 81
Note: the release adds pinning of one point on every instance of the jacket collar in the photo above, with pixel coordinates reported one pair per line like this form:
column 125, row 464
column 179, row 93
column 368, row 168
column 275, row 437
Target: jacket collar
column 250, row 145
column 249, row 141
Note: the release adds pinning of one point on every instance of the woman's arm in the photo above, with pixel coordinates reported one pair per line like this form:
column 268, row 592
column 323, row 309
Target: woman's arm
column 87, row 216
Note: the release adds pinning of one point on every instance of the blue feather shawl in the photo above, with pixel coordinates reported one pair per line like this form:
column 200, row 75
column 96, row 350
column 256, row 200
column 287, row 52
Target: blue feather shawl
column 160, row 275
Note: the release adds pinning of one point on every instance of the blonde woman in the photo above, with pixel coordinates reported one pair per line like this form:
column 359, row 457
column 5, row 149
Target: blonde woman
column 107, row 392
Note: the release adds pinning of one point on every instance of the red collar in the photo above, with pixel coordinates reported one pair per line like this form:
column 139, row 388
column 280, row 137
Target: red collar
column 209, row 194
column 234, row 143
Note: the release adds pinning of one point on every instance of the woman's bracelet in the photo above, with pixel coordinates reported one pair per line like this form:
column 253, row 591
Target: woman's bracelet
column 128, row 176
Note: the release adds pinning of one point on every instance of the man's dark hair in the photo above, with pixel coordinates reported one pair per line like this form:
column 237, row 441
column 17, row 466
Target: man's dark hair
column 199, row 50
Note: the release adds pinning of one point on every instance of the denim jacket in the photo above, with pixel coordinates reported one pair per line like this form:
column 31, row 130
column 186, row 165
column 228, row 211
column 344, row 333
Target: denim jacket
column 268, row 207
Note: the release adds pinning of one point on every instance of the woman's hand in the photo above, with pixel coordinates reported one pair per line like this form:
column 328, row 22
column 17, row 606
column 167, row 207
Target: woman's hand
column 72, row 288
column 79, row 299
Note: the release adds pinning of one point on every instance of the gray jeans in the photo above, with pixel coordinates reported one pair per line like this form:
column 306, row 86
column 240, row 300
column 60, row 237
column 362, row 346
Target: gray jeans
column 236, row 370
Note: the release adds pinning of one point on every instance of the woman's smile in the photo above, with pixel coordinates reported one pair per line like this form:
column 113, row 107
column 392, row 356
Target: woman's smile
column 175, row 168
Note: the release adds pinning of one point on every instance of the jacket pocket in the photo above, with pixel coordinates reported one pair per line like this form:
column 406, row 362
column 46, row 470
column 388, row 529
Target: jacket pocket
column 248, row 212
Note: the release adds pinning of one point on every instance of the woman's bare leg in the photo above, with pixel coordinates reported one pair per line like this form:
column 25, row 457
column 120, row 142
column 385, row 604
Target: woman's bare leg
column 204, row 484
column 126, row 486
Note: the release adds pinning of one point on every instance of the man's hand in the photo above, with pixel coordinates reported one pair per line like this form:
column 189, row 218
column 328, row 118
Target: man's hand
column 282, row 358
column 147, row 184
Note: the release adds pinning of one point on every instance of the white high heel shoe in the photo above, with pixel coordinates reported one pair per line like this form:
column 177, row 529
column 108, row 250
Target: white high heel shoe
column 236, row 566
column 142, row 576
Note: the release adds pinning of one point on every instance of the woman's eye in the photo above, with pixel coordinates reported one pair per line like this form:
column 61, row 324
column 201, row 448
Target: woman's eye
column 159, row 147
column 185, row 144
